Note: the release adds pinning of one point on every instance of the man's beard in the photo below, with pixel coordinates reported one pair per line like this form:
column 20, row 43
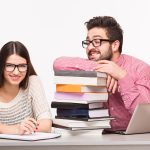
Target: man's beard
column 107, row 56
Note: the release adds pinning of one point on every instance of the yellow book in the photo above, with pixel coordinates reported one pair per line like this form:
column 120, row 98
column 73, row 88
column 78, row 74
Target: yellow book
column 80, row 88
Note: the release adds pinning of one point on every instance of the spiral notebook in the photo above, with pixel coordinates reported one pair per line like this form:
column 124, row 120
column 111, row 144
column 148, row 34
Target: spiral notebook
column 31, row 137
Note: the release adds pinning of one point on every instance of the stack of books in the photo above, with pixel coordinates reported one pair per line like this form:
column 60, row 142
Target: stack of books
column 79, row 100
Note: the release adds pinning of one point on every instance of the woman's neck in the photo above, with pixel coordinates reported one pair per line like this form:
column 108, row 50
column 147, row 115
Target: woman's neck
column 8, row 92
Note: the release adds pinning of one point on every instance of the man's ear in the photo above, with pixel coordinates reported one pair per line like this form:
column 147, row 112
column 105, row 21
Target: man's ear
column 115, row 46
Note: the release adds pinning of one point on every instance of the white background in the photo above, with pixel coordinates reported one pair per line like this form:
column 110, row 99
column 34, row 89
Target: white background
column 54, row 28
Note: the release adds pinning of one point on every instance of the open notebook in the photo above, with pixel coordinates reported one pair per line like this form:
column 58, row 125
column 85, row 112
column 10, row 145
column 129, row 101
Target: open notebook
column 31, row 137
column 140, row 120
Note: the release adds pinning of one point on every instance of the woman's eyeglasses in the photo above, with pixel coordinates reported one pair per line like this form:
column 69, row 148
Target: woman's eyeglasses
column 11, row 67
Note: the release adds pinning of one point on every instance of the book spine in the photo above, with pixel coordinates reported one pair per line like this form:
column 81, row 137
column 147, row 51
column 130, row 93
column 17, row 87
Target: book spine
column 82, row 113
column 79, row 88
column 81, row 96
column 68, row 88
column 69, row 105
column 72, row 112
column 84, row 118
column 79, row 73
column 95, row 81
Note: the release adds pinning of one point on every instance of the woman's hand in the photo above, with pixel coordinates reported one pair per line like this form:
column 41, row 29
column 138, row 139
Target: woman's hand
column 27, row 126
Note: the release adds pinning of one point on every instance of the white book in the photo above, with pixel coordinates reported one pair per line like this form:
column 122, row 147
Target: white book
column 80, row 80
column 75, row 123
column 79, row 128
column 31, row 137
column 98, row 113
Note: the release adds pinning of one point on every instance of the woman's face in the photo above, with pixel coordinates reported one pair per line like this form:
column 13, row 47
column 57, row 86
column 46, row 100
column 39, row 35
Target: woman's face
column 15, row 70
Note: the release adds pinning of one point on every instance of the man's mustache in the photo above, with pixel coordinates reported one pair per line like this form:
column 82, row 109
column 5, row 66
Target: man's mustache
column 94, row 51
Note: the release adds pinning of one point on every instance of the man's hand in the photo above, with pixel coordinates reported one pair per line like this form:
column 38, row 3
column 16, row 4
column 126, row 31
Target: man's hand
column 110, row 68
column 113, row 71
column 111, row 84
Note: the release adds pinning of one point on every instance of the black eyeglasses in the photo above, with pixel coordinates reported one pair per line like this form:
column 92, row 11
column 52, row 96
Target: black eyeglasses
column 11, row 67
column 95, row 42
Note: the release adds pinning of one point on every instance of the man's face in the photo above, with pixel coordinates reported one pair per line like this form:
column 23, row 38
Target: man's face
column 101, row 52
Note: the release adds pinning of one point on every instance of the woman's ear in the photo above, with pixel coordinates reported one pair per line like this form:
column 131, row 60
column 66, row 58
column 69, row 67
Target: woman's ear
column 115, row 46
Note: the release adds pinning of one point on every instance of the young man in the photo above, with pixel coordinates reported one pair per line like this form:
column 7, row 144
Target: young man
column 130, row 82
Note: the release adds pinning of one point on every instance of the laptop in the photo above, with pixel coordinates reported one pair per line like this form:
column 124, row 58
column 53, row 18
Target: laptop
column 140, row 120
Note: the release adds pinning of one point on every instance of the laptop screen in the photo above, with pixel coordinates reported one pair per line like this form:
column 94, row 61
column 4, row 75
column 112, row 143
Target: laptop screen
column 140, row 120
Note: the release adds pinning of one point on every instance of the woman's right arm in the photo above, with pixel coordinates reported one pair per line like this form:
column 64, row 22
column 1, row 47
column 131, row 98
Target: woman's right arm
column 9, row 129
column 27, row 126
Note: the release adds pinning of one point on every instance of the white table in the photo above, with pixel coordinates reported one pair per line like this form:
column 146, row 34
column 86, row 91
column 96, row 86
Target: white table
column 82, row 142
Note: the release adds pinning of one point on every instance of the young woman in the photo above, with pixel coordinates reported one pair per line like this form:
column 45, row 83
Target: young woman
column 23, row 105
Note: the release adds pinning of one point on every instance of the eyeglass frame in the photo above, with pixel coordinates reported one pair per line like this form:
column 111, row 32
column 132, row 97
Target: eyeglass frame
column 101, row 40
column 14, row 65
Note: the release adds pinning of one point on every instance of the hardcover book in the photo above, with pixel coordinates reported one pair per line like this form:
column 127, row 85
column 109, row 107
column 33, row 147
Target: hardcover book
column 79, row 73
column 85, row 118
column 76, row 123
column 69, row 105
column 80, row 88
column 103, row 97
column 78, row 128
column 98, row 81
column 82, row 112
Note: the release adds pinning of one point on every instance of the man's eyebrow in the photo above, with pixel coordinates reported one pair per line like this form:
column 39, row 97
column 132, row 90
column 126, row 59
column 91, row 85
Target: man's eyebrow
column 95, row 36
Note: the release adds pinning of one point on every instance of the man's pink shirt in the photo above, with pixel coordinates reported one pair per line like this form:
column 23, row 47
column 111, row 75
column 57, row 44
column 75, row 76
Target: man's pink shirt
column 133, row 89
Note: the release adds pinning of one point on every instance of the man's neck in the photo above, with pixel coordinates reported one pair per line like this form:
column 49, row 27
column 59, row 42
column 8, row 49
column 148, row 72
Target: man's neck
column 115, row 57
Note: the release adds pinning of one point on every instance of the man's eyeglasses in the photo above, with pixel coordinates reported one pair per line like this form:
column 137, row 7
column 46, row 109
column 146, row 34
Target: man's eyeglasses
column 11, row 67
column 95, row 42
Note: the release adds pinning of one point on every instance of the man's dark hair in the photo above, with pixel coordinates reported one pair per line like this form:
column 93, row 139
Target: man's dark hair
column 113, row 29
column 15, row 47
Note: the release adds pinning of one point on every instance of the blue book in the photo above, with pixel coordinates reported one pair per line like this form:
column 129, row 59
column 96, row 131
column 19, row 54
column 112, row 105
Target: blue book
column 82, row 113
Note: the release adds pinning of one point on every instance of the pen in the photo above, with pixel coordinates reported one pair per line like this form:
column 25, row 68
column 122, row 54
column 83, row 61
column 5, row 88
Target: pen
column 37, row 123
column 37, row 116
